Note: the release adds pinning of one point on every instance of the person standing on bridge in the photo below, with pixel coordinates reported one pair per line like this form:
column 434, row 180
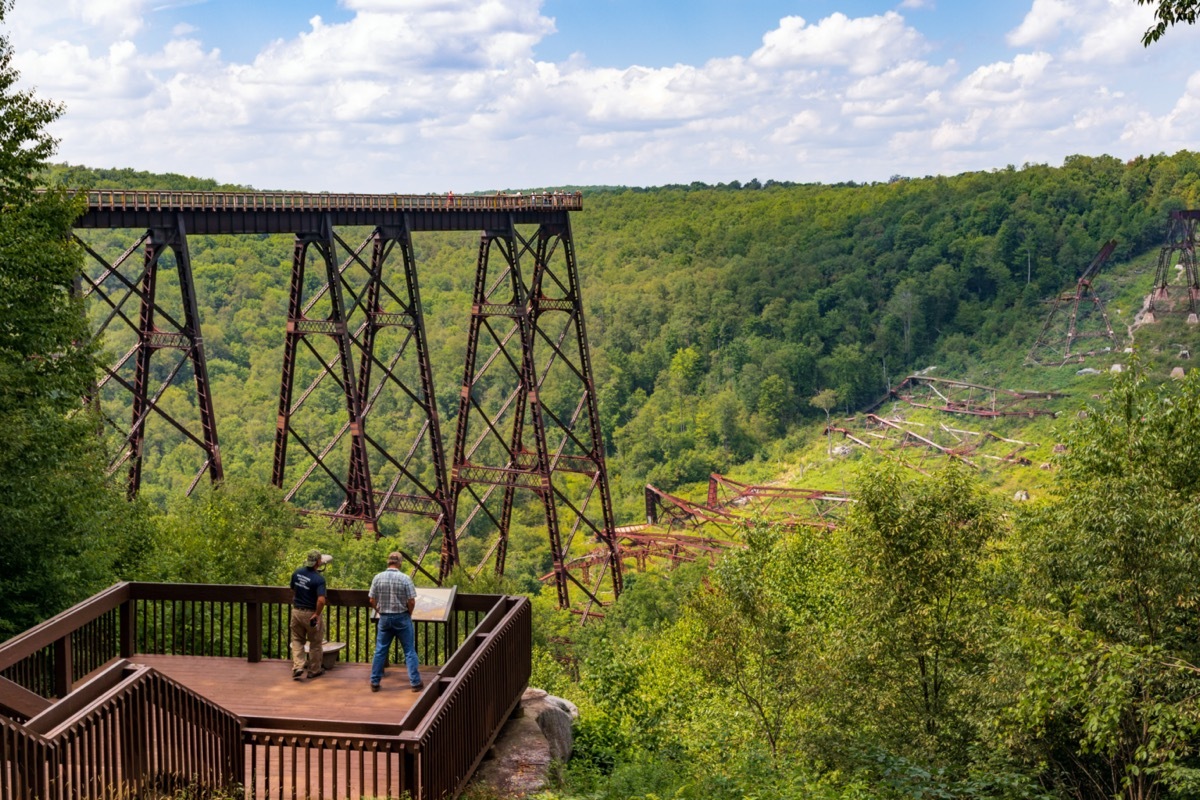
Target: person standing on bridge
column 393, row 596
column 308, row 601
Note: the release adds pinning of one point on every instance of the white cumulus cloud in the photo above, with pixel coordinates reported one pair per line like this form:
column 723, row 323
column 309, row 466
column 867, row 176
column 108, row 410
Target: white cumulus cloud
column 428, row 95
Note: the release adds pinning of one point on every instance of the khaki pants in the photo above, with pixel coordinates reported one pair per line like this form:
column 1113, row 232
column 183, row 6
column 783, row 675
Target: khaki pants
column 302, row 632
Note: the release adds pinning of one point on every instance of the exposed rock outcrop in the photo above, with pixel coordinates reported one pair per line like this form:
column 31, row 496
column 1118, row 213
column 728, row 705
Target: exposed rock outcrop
column 536, row 737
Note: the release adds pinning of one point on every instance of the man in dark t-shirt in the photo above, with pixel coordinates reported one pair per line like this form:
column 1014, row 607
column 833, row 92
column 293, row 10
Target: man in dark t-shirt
column 308, row 601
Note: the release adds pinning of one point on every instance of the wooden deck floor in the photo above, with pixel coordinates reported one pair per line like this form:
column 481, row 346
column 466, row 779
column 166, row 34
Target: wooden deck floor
column 266, row 689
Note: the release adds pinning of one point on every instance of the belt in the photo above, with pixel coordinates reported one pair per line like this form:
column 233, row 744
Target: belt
column 302, row 608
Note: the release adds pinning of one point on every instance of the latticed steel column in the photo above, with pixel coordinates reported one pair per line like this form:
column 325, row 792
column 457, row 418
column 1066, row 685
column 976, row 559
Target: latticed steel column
column 399, row 368
column 156, row 328
column 489, row 450
column 507, row 437
column 1180, row 248
column 359, row 501
column 561, row 345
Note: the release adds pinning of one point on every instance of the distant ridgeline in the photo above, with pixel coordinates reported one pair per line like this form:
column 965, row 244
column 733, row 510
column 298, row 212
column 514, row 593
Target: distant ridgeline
column 715, row 314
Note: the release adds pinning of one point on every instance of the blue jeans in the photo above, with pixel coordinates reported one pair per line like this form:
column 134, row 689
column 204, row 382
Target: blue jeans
column 392, row 626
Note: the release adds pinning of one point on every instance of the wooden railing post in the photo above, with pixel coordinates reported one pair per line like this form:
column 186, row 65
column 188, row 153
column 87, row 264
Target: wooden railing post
column 254, row 632
column 64, row 669
column 128, row 623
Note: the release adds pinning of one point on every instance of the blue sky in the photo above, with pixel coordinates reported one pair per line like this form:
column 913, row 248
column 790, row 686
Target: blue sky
column 434, row 95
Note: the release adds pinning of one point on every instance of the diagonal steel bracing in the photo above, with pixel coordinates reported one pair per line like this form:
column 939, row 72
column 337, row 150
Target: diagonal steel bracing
column 1178, row 253
column 528, row 417
column 1076, row 319
column 138, row 379
column 381, row 364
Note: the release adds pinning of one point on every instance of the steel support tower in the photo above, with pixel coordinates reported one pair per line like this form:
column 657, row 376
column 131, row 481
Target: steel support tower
column 526, row 336
column 1178, row 251
column 155, row 327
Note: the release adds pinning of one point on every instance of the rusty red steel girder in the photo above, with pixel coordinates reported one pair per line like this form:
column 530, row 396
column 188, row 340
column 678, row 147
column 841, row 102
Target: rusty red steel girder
column 642, row 544
column 959, row 397
column 824, row 508
column 155, row 328
column 1180, row 249
column 355, row 342
column 672, row 512
column 730, row 505
column 1056, row 343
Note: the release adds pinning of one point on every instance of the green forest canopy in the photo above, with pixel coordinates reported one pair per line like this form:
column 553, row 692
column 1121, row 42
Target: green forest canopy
column 716, row 313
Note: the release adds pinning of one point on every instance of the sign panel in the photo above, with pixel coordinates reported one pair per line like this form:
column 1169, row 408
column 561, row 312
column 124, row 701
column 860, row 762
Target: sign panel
column 434, row 605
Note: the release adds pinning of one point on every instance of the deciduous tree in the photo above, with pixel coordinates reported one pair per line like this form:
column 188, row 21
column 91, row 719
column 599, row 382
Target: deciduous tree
column 66, row 533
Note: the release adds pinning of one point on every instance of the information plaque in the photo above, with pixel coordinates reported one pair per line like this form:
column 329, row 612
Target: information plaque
column 434, row 605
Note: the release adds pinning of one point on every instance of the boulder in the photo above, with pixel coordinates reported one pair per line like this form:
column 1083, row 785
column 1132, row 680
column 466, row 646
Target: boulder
column 1177, row 373
column 536, row 737
column 554, row 717
column 519, row 763
column 555, row 724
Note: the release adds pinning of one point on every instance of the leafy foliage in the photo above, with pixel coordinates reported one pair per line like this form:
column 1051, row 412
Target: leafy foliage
column 66, row 530
column 1105, row 632
column 1169, row 13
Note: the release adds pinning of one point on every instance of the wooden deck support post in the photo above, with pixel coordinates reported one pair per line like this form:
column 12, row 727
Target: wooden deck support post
column 254, row 645
column 128, row 624
column 63, row 666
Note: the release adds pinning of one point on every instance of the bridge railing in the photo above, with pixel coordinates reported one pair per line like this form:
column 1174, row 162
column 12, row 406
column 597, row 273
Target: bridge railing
column 143, row 200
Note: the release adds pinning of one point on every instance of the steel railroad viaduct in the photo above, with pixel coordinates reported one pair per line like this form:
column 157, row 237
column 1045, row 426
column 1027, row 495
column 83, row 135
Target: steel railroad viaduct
column 355, row 348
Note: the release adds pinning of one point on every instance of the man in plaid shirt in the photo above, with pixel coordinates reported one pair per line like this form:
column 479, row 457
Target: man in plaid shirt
column 393, row 596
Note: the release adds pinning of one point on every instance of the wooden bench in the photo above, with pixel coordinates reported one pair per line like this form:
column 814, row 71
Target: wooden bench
column 329, row 653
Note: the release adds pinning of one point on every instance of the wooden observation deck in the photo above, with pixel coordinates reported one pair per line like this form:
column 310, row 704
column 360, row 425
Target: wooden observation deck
column 145, row 689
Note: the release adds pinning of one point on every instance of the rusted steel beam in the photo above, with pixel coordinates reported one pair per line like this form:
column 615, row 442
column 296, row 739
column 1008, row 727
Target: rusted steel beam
column 1056, row 343
column 960, row 397
column 155, row 329
column 298, row 212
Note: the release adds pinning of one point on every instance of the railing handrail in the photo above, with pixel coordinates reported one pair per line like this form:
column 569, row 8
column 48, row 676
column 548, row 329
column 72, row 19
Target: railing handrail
column 252, row 201
column 63, row 624
column 477, row 685
column 77, row 737
column 72, row 619
column 457, row 673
